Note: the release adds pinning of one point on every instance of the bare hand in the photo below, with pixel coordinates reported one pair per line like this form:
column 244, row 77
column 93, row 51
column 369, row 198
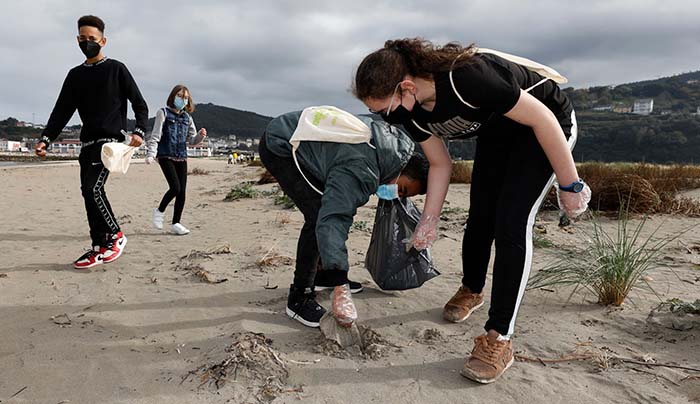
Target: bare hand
column 150, row 160
column 136, row 140
column 203, row 132
column 40, row 149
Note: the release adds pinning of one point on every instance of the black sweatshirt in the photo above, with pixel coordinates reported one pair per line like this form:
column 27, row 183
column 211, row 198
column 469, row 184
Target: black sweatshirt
column 99, row 92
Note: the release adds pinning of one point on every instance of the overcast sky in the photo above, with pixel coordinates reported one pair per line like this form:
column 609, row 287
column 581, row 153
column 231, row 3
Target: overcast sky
column 272, row 57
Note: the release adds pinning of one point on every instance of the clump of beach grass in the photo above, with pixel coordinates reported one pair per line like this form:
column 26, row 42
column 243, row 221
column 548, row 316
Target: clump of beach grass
column 285, row 201
column 198, row 171
column 241, row 191
column 540, row 241
column 461, row 172
column 608, row 264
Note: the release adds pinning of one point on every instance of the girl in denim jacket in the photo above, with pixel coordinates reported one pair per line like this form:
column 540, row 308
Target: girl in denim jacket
column 173, row 130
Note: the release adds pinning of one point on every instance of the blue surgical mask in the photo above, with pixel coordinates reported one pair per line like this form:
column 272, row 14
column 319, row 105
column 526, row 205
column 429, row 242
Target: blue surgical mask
column 179, row 103
column 388, row 191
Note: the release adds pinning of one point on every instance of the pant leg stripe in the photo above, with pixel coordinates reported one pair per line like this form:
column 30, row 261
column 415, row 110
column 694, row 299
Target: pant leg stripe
column 97, row 194
column 531, row 223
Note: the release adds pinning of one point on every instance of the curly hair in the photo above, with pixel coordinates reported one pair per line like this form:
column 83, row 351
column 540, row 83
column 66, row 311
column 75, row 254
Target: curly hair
column 378, row 73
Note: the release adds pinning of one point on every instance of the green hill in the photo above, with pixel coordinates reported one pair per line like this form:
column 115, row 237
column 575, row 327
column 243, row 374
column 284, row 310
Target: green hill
column 676, row 94
column 670, row 134
column 224, row 121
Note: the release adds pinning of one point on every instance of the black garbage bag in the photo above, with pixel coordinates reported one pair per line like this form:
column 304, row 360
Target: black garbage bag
column 391, row 266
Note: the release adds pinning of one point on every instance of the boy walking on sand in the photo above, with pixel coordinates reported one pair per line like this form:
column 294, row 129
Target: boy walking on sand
column 99, row 89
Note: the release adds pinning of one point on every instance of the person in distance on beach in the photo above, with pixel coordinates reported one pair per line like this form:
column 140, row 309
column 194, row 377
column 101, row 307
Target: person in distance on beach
column 526, row 128
column 99, row 89
column 173, row 129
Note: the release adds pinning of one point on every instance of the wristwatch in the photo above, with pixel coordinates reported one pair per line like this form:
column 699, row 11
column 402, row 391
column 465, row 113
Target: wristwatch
column 575, row 187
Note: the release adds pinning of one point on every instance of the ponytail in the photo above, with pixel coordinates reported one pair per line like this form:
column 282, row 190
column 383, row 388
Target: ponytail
column 382, row 69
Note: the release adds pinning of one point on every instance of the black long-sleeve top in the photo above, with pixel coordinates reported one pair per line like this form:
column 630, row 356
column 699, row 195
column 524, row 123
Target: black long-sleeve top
column 99, row 92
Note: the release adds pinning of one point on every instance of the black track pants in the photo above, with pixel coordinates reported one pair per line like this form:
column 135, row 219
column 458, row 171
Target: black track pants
column 175, row 173
column 93, row 176
column 510, row 179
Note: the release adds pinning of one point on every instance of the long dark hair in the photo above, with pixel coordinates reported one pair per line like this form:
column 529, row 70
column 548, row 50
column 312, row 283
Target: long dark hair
column 382, row 69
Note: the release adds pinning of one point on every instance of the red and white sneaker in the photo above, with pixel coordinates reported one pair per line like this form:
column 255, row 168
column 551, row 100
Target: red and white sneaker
column 114, row 248
column 90, row 259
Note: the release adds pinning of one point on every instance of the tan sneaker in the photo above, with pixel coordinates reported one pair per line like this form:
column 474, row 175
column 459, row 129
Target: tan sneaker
column 489, row 359
column 462, row 304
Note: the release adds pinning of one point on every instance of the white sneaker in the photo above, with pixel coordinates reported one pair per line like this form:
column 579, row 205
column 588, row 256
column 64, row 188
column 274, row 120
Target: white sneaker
column 180, row 230
column 158, row 217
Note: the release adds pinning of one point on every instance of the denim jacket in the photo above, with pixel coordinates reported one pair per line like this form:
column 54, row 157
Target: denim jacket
column 171, row 134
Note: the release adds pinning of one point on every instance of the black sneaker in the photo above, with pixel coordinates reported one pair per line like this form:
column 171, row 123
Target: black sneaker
column 302, row 306
column 321, row 283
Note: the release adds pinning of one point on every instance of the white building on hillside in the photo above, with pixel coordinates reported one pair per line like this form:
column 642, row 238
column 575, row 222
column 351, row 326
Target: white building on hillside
column 643, row 107
column 9, row 145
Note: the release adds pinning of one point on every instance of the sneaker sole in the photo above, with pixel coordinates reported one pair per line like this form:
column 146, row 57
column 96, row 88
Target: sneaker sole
column 353, row 291
column 119, row 254
column 463, row 319
column 178, row 233
column 486, row 381
column 94, row 264
column 294, row 316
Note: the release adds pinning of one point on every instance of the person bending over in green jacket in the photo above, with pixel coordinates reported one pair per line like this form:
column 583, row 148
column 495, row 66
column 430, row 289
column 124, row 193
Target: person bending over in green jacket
column 328, row 178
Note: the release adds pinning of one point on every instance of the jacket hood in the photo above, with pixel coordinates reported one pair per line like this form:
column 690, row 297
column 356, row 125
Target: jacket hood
column 386, row 137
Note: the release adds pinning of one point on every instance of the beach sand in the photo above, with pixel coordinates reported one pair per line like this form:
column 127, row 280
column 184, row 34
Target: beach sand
column 141, row 329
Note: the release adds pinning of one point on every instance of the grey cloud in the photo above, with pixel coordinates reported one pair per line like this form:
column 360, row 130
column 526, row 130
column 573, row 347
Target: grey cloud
column 275, row 56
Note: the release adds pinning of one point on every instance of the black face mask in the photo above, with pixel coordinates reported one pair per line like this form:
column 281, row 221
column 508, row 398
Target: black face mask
column 90, row 48
column 398, row 116
column 401, row 115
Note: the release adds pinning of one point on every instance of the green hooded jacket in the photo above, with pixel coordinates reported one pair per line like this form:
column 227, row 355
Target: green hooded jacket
column 350, row 174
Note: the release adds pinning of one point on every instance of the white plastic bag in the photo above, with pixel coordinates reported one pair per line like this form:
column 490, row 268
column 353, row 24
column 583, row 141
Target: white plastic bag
column 116, row 156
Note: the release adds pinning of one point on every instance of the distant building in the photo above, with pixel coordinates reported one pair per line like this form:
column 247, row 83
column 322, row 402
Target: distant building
column 198, row 151
column 9, row 145
column 66, row 146
column 622, row 109
column 643, row 106
column 603, row 108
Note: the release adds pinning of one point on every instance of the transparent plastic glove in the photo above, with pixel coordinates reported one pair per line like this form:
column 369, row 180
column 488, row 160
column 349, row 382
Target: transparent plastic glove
column 342, row 306
column 425, row 234
column 574, row 203
column 150, row 160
